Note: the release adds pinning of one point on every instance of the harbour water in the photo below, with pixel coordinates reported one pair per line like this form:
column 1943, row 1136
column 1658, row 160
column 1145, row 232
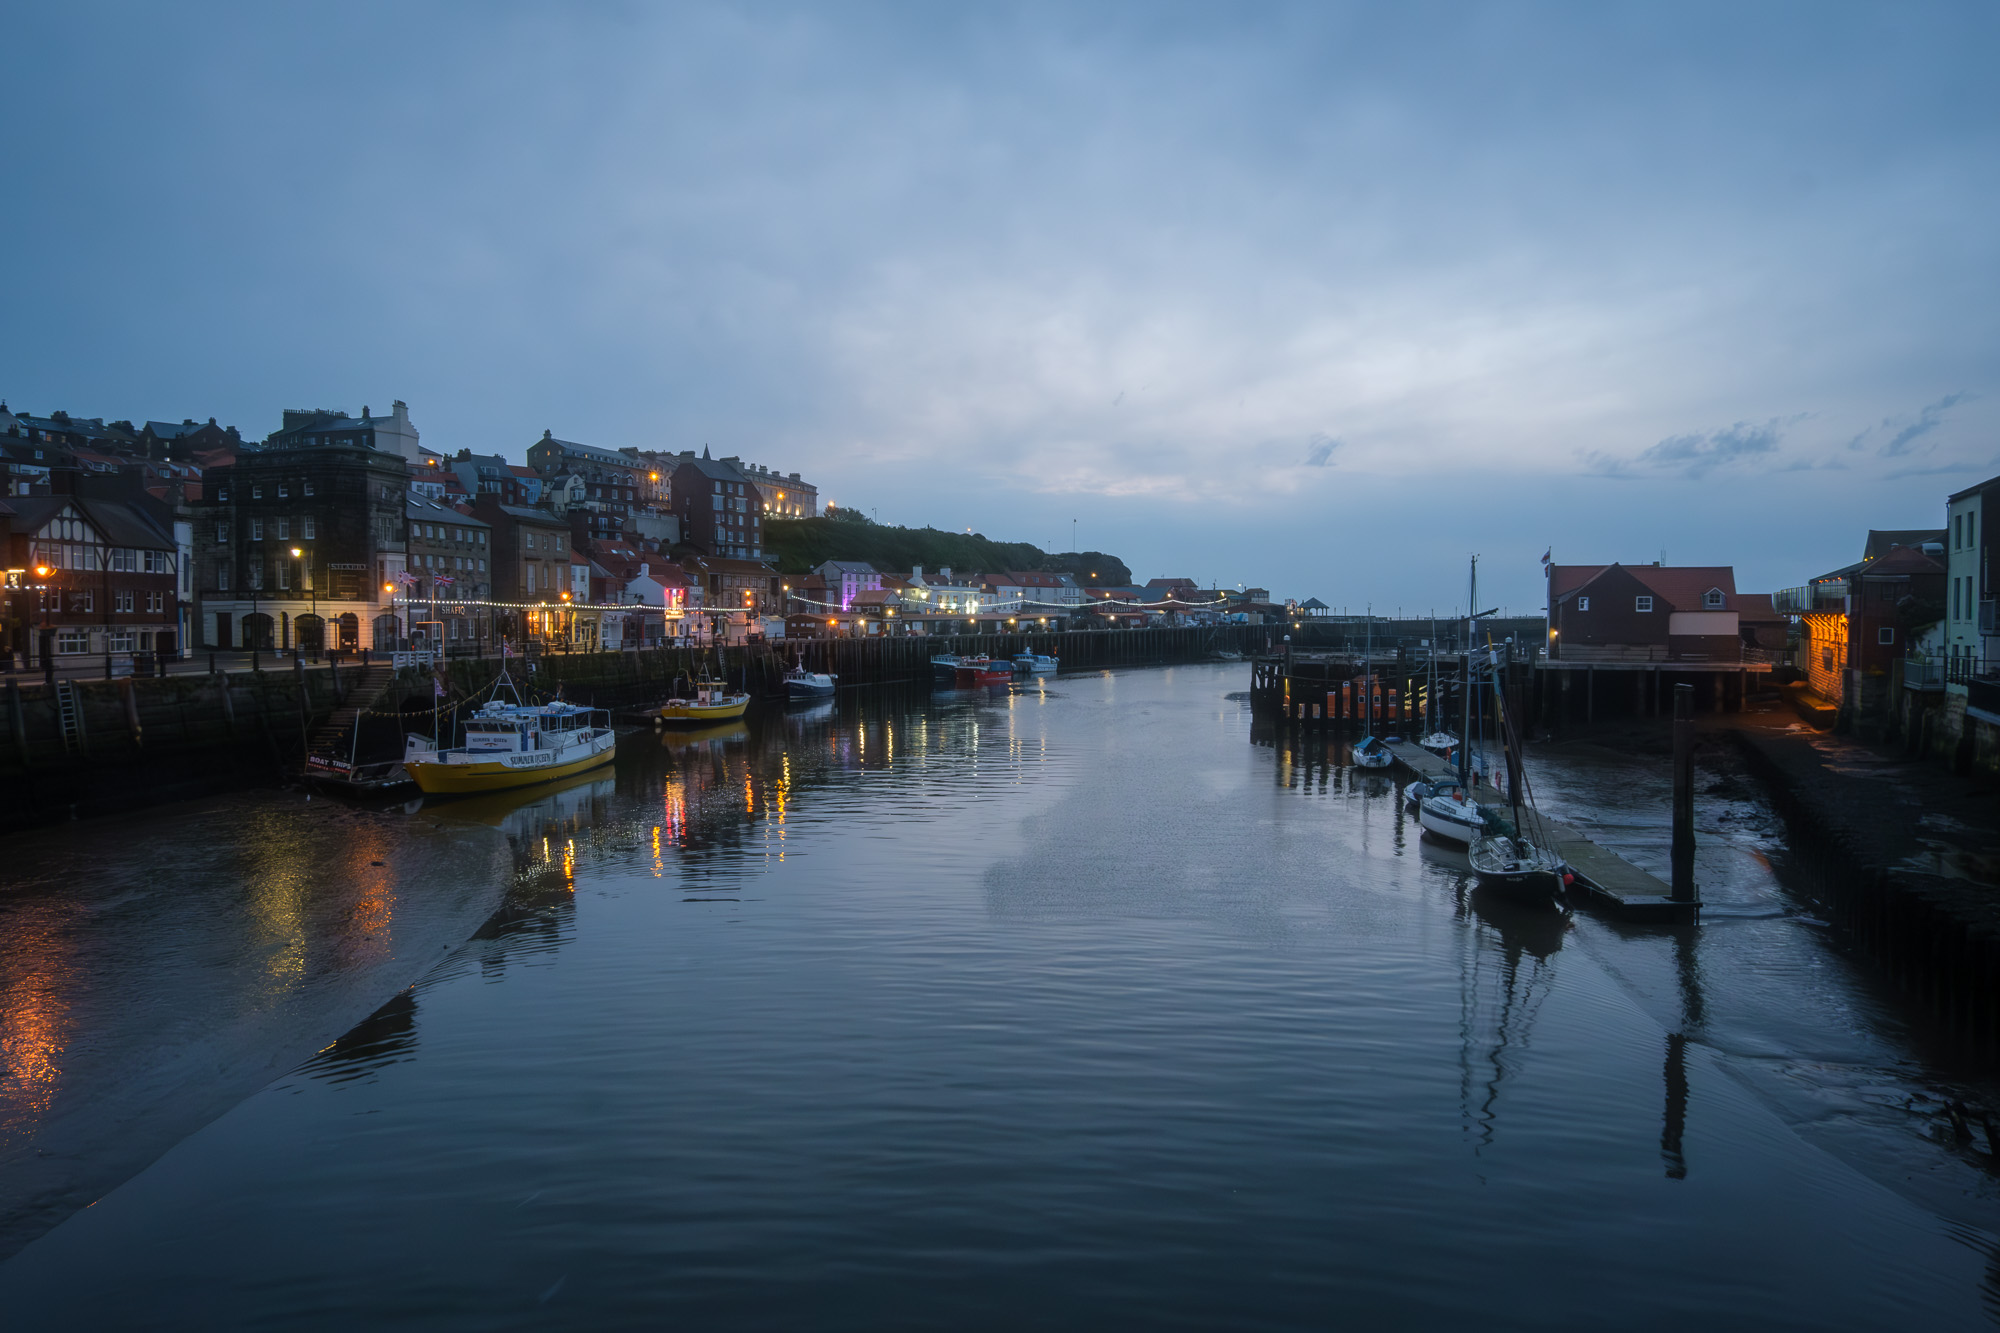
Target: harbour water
column 1079, row 1004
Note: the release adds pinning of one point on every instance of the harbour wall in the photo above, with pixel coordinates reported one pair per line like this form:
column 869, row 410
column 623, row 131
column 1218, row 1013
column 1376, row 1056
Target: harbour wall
column 133, row 742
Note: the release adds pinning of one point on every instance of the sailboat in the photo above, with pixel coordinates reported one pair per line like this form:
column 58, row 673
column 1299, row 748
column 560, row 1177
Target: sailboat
column 1436, row 739
column 1369, row 752
column 1519, row 862
column 1449, row 811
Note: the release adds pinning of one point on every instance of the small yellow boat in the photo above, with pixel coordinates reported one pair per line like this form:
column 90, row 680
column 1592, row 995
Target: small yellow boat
column 712, row 702
column 513, row 745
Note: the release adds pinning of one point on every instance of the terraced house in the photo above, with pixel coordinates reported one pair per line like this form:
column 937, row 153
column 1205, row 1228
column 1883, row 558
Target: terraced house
column 96, row 576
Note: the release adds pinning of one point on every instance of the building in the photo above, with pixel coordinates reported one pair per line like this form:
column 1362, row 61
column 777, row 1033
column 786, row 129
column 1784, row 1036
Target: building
column 326, row 428
column 721, row 511
column 1972, row 629
column 168, row 441
column 784, row 496
column 448, row 552
column 302, row 543
column 96, row 576
column 599, row 487
column 530, row 552
column 846, row 578
column 1643, row 613
column 735, row 585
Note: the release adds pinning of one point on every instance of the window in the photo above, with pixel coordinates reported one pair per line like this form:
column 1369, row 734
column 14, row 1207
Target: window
column 222, row 493
column 1957, row 532
column 1886, row 634
column 482, row 542
column 1712, row 599
column 256, row 573
column 222, row 576
column 89, row 600
column 256, row 529
column 1642, row 604
column 1955, row 614
column 1826, row 659
column 482, row 566
column 72, row 641
column 1583, row 603
column 257, row 491
column 156, row 562
column 121, row 600
column 118, row 641
column 308, row 528
column 1972, row 528
column 284, row 574
column 306, row 489
column 284, row 491
column 284, row 529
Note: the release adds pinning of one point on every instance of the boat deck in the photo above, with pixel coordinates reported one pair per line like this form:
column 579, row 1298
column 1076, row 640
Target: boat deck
column 1611, row 883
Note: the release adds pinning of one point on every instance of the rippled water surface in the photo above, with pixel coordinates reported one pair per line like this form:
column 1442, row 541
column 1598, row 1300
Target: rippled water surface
column 1081, row 1006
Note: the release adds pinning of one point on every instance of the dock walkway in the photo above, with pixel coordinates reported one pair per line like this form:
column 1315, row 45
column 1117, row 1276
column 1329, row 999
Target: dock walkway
column 1612, row 883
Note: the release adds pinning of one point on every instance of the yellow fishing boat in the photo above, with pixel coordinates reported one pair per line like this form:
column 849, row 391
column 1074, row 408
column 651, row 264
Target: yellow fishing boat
column 513, row 745
column 712, row 702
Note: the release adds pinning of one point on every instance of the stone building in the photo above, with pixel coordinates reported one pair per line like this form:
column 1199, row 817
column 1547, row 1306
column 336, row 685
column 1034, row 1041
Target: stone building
column 302, row 543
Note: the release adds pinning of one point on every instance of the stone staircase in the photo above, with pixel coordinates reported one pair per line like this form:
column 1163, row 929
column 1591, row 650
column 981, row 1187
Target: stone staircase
column 334, row 736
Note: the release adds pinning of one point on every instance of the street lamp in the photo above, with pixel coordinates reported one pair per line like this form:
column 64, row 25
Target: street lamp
column 319, row 631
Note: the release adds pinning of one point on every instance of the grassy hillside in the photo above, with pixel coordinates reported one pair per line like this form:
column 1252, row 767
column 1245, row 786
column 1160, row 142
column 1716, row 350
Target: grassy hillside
column 803, row 543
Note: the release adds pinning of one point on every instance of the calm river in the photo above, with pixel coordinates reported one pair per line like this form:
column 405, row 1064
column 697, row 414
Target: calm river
column 1079, row 1005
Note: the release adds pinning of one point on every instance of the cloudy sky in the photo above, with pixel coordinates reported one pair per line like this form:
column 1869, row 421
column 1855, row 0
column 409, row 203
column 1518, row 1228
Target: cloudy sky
column 1323, row 298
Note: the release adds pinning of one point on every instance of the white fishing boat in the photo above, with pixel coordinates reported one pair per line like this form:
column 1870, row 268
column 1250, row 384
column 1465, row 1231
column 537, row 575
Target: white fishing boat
column 512, row 744
column 803, row 684
column 1034, row 664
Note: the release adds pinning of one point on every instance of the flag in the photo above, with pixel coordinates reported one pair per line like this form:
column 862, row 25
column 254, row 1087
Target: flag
column 1545, row 556
column 406, row 578
column 443, row 580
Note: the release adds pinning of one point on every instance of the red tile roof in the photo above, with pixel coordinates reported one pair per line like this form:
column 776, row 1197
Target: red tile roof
column 1682, row 586
column 1902, row 560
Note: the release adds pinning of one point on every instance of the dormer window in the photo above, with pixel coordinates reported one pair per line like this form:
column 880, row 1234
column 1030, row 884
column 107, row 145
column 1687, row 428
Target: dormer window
column 1712, row 599
column 1583, row 603
column 1642, row 604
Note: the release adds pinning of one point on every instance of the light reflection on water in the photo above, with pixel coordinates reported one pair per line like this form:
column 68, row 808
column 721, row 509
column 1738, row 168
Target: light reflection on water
column 1079, row 1005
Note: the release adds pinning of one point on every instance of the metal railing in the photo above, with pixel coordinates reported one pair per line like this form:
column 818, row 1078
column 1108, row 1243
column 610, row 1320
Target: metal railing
column 1924, row 673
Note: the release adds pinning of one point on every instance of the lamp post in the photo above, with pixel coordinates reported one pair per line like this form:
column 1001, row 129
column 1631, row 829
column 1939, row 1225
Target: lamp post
column 305, row 573
column 48, row 646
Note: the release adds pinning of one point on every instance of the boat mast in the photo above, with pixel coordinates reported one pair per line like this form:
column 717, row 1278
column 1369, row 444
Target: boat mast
column 1367, row 682
column 1465, row 734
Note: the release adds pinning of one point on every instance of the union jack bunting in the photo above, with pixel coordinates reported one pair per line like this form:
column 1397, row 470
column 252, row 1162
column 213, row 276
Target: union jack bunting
column 406, row 578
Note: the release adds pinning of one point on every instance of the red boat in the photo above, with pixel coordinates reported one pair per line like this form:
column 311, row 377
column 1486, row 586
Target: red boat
column 984, row 671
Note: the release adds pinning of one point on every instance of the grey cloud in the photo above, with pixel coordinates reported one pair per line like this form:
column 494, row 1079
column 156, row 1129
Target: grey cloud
column 1319, row 451
column 1928, row 420
column 1703, row 451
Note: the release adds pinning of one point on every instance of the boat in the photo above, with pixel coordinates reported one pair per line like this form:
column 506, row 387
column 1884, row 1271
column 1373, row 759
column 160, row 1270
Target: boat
column 512, row 744
column 803, row 684
column 1517, row 860
column 1372, row 752
column 945, row 666
column 1440, row 743
column 1516, row 868
column 712, row 701
column 1450, row 814
column 1033, row 664
column 983, row 670
column 1369, row 751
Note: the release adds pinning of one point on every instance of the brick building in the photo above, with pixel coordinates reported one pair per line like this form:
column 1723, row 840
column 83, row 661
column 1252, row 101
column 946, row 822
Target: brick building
column 96, row 576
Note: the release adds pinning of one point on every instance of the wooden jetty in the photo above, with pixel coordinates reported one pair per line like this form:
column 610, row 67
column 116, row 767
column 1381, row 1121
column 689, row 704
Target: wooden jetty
column 1610, row 883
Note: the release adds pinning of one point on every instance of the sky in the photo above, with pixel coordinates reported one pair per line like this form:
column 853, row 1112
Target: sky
column 1321, row 298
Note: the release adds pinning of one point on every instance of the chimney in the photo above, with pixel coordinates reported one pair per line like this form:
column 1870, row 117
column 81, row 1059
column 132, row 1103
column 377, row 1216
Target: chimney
column 364, row 411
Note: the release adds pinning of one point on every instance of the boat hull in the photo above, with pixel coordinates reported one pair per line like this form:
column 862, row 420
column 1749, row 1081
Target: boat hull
column 686, row 712
column 1450, row 820
column 1520, row 874
column 435, row 779
column 809, row 689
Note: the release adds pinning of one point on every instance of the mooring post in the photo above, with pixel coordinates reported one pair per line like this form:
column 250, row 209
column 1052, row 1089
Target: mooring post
column 1683, row 890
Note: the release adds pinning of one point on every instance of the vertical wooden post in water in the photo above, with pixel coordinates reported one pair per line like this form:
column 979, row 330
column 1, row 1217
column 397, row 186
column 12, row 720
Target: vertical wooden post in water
column 1683, row 793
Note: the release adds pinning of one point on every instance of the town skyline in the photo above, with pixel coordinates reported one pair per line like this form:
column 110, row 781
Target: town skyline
column 1234, row 295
